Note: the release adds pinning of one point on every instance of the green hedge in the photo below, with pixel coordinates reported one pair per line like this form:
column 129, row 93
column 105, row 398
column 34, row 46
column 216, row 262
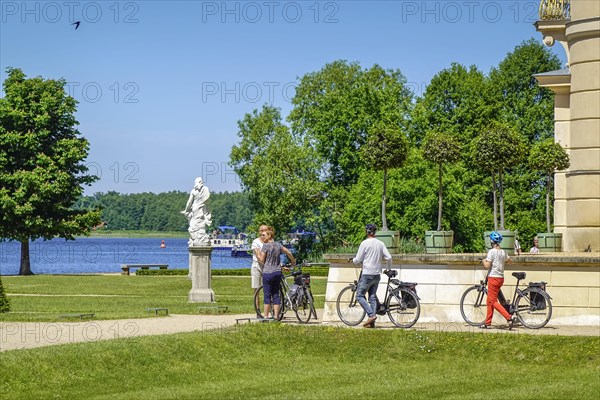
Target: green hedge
column 4, row 302
column 314, row 271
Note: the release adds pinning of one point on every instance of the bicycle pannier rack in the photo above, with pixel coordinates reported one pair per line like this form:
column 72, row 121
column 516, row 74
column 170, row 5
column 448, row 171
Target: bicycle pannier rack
column 537, row 299
column 304, row 278
column 409, row 300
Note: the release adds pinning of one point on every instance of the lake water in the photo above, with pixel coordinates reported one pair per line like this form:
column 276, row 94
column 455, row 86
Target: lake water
column 105, row 255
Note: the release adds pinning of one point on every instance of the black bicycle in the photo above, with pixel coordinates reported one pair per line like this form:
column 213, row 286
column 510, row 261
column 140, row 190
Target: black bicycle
column 297, row 296
column 401, row 303
column 532, row 305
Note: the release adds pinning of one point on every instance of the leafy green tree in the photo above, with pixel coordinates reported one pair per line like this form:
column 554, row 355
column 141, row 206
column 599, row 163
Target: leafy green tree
column 454, row 102
column 279, row 172
column 519, row 101
column 334, row 108
column 42, row 169
column 547, row 156
column 440, row 148
column 497, row 148
column 4, row 301
column 386, row 148
column 517, row 97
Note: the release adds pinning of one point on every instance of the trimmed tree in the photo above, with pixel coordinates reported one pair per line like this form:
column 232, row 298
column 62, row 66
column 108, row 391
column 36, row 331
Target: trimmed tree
column 440, row 148
column 547, row 157
column 386, row 148
column 497, row 148
column 42, row 166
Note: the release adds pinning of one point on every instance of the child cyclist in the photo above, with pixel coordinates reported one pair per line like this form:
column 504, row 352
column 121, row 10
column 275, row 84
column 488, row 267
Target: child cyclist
column 495, row 260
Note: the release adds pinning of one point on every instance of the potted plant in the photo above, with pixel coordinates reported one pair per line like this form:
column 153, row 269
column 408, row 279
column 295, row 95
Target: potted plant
column 547, row 156
column 496, row 148
column 385, row 148
column 440, row 148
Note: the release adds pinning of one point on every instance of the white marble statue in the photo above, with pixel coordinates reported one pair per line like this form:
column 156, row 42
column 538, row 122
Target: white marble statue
column 197, row 214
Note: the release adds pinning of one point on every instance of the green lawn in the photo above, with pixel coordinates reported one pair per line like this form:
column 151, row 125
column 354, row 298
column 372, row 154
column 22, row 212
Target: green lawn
column 282, row 361
column 46, row 297
column 274, row 360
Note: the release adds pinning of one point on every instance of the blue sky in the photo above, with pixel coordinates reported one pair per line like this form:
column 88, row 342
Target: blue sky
column 162, row 84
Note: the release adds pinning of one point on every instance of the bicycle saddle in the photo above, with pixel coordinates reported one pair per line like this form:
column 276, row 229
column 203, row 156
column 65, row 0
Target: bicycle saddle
column 519, row 275
column 391, row 273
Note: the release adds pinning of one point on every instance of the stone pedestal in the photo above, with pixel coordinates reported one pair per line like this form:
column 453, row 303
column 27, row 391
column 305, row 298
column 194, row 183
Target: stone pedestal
column 200, row 272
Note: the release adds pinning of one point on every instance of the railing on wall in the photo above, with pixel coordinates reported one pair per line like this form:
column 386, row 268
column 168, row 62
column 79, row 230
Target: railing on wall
column 555, row 10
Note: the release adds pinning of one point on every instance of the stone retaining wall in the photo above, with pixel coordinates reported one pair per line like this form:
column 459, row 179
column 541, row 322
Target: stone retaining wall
column 573, row 283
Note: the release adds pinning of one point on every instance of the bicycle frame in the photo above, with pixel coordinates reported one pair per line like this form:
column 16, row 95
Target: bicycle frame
column 532, row 306
column 400, row 303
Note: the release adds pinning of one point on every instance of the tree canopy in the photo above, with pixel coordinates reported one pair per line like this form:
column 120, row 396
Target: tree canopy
column 334, row 120
column 42, row 169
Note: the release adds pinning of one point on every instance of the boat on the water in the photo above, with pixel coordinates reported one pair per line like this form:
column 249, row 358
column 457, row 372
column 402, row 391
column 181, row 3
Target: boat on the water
column 241, row 251
column 227, row 237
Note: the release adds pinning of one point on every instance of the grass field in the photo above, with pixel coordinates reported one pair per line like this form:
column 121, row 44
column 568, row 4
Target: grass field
column 274, row 360
column 46, row 297
column 281, row 361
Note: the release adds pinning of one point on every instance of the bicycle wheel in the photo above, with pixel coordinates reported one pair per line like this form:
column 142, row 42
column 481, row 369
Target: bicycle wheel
column 348, row 309
column 304, row 306
column 259, row 305
column 403, row 308
column 259, row 302
column 473, row 306
column 284, row 303
column 534, row 308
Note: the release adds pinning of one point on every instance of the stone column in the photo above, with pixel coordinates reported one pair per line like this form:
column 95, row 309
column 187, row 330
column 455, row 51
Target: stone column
column 200, row 271
column 577, row 112
column 582, row 180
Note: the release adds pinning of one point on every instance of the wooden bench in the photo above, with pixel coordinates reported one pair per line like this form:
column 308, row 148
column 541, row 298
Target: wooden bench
column 126, row 267
column 157, row 309
column 250, row 319
column 80, row 316
column 215, row 308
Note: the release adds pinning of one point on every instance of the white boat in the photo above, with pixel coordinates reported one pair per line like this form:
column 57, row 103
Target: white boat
column 227, row 237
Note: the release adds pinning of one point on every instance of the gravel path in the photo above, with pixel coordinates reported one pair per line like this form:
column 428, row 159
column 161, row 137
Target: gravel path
column 27, row 335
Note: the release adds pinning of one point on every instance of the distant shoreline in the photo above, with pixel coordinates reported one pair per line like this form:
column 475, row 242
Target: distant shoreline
column 136, row 234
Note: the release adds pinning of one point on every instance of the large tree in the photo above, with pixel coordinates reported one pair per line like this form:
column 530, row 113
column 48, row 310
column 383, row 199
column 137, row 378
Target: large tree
column 279, row 172
column 335, row 108
column 42, row 169
column 517, row 97
column 454, row 102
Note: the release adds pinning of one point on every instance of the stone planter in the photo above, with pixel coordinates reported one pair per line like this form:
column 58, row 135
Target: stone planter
column 508, row 241
column 439, row 242
column 391, row 239
column 549, row 242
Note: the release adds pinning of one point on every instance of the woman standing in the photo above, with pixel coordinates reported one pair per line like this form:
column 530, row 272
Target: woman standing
column 495, row 260
column 270, row 258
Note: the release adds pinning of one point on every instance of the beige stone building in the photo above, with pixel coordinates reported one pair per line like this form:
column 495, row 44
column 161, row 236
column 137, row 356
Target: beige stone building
column 575, row 24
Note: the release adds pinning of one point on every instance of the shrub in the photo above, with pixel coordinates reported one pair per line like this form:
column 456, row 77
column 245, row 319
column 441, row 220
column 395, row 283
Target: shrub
column 4, row 302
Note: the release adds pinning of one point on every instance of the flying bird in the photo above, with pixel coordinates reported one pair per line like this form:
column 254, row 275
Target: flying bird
column 76, row 23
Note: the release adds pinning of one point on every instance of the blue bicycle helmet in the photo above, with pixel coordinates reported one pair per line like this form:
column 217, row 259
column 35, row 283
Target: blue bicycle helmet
column 371, row 229
column 495, row 237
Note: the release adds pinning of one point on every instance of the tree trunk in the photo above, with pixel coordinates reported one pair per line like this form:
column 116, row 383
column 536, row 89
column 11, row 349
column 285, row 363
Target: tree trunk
column 501, row 195
column 383, row 202
column 439, row 226
column 495, row 197
column 548, row 182
column 25, row 268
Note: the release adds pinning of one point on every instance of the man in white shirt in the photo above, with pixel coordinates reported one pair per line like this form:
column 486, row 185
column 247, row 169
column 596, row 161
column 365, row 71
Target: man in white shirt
column 370, row 253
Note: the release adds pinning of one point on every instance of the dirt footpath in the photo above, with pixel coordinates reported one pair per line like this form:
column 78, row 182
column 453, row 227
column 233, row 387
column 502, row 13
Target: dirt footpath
column 27, row 335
